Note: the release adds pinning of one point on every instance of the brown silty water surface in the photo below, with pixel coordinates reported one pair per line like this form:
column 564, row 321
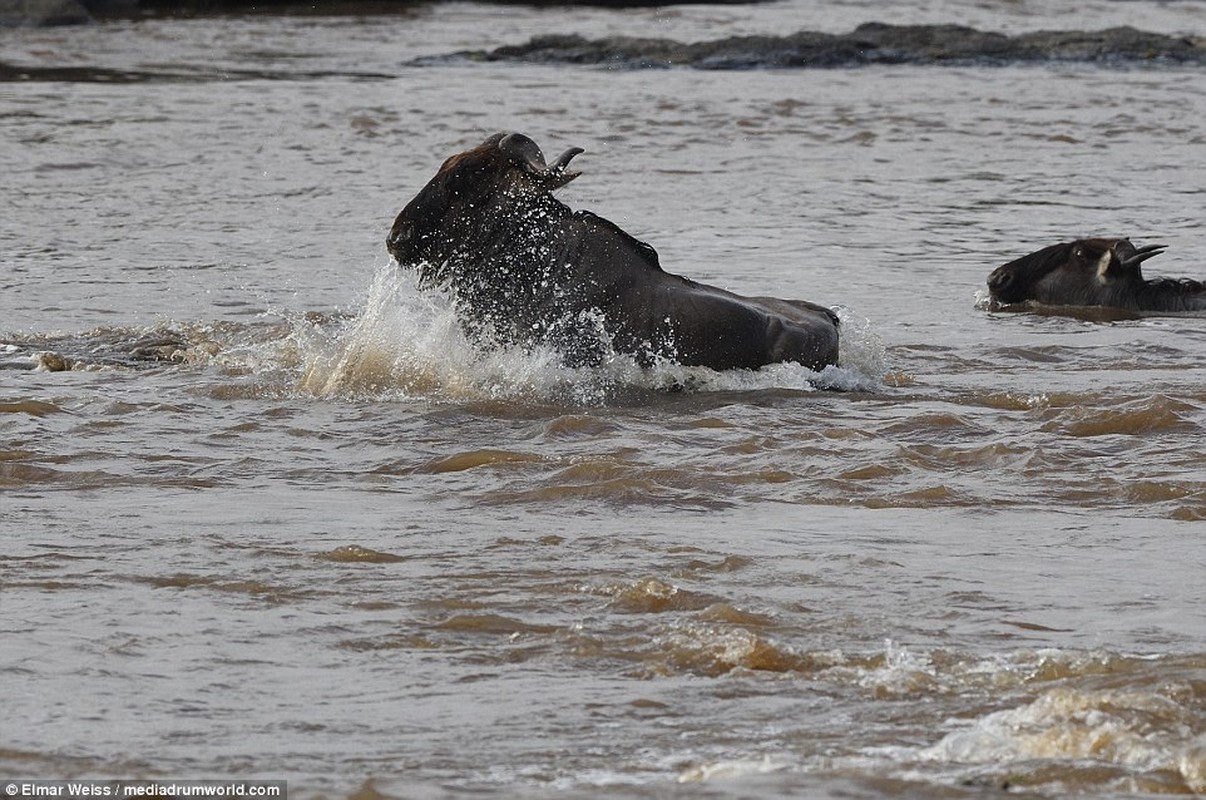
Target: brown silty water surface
column 265, row 513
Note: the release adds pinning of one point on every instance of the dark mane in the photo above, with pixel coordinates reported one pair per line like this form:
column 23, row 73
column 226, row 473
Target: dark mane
column 1175, row 286
column 1172, row 294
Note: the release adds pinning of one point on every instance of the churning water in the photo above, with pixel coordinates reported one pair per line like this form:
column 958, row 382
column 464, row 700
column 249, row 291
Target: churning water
column 265, row 513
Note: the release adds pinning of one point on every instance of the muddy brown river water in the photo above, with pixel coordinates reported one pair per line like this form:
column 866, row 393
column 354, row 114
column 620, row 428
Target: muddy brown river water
column 264, row 513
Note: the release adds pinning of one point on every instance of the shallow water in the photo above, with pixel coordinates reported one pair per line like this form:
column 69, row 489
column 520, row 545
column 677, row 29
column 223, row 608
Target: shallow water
column 266, row 514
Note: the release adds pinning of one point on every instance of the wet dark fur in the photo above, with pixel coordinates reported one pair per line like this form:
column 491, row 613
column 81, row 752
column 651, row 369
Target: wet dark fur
column 1094, row 272
column 526, row 269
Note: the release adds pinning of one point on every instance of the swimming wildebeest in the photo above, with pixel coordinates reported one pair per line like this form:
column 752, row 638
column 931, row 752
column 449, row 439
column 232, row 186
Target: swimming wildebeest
column 1094, row 272
column 526, row 269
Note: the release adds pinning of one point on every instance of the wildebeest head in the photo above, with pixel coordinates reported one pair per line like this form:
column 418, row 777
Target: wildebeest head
column 1086, row 272
column 501, row 181
column 487, row 227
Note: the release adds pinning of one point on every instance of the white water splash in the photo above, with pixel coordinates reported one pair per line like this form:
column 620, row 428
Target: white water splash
column 983, row 301
column 728, row 769
column 408, row 342
column 1138, row 730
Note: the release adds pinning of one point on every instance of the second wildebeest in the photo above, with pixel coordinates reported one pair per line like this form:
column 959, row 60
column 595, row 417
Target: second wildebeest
column 1094, row 272
column 526, row 269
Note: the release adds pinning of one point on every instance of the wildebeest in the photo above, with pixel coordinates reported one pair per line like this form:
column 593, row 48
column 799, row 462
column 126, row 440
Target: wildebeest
column 1094, row 272
column 525, row 269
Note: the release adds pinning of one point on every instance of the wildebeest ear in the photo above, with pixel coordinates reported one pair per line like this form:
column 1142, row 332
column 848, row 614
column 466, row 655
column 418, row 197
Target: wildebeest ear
column 523, row 152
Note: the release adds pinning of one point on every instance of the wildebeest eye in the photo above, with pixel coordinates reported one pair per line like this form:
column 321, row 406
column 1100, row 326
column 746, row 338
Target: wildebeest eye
column 1079, row 252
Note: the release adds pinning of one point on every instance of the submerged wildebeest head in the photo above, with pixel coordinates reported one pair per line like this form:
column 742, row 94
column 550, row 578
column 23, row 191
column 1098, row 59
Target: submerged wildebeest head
column 1093, row 272
column 526, row 269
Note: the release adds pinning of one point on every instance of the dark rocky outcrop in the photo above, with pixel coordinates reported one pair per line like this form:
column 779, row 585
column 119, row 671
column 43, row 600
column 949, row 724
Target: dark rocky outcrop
column 873, row 43
column 15, row 13
column 42, row 12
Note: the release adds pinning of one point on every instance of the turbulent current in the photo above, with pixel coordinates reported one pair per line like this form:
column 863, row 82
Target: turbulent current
column 265, row 512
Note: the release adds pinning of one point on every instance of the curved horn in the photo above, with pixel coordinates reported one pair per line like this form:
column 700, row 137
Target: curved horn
column 524, row 152
column 1143, row 254
column 558, row 174
column 565, row 158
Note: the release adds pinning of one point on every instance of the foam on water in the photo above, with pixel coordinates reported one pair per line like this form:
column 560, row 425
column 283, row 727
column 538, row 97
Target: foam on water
column 982, row 301
column 1072, row 723
column 407, row 342
column 720, row 770
column 1066, row 723
column 1136, row 731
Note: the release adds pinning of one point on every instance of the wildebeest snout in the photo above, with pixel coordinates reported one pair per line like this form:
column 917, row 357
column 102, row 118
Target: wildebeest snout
column 399, row 240
column 999, row 283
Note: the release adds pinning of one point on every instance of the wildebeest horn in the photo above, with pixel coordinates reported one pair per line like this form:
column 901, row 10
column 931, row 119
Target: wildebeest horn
column 558, row 175
column 1143, row 254
column 565, row 158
